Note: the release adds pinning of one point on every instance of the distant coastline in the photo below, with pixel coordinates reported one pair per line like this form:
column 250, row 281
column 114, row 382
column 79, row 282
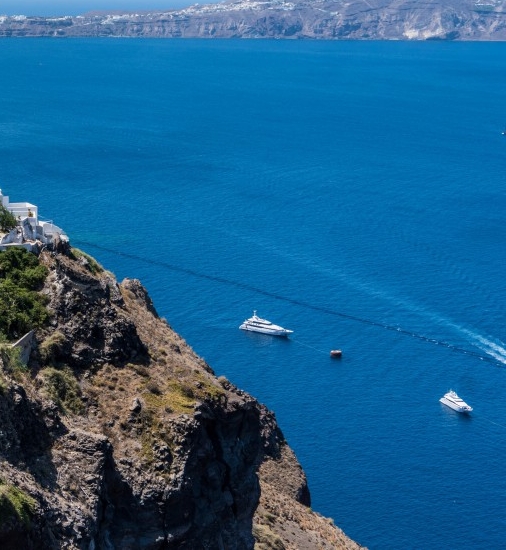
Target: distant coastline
column 324, row 20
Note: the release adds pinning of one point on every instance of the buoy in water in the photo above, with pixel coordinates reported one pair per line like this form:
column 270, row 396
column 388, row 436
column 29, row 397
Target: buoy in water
column 335, row 353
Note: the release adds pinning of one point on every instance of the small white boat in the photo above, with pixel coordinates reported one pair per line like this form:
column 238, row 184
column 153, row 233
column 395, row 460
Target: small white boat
column 256, row 324
column 452, row 400
column 336, row 353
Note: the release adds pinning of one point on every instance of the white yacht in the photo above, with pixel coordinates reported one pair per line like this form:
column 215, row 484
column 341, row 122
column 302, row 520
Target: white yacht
column 256, row 324
column 452, row 400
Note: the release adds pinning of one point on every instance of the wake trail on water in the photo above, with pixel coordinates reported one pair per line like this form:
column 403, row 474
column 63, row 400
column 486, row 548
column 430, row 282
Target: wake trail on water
column 492, row 353
column 494, row 349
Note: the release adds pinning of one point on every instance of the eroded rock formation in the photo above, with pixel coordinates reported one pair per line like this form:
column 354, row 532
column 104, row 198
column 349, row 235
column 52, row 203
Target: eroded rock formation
column 118, row 436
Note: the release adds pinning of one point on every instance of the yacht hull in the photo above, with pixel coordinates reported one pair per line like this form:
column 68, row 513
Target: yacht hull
column 456, row 404
column 263, row 326
column 272, row 332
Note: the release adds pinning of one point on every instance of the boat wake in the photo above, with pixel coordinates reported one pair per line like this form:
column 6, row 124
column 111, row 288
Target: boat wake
column 495, row 350
column 489, row 351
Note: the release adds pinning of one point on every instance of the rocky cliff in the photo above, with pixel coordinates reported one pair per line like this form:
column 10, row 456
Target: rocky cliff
column 323, row 19
column 118, row 436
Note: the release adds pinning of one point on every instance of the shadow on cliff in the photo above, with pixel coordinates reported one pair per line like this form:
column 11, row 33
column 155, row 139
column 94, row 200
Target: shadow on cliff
column 27, row 433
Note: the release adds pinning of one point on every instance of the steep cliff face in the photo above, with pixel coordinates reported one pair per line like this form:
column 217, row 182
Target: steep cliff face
column 322, row 19
column 118, row 436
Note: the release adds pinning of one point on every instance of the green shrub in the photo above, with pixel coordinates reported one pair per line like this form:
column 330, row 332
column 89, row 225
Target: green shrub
column 33, row 277
column 63, row 388
column 15, row 261
column 22, row 308
column 11, row 358
column 51, row 347
column 15, row 504
column 88, row 261
column 7, row 220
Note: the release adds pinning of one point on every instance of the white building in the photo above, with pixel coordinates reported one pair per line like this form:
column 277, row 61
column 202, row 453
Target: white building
column 30, row 230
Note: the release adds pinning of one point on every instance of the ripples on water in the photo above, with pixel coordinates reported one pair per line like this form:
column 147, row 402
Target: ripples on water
column 352, row 192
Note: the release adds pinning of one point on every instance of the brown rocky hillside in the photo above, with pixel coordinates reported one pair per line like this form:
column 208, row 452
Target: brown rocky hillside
column 118, row 436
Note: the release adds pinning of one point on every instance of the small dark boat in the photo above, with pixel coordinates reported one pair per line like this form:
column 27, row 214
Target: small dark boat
column 336, row 353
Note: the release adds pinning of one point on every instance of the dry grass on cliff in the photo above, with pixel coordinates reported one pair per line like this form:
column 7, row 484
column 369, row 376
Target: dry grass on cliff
column 171, row 383
column 282, row 523
column 143, row 409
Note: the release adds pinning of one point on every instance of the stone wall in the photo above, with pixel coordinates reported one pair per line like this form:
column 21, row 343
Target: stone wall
column 25, row 343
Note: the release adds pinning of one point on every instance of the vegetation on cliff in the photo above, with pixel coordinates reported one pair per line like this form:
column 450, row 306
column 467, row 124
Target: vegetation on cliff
column 7, row 219
column 22, row 307
column 117, row 435
column 15, row 505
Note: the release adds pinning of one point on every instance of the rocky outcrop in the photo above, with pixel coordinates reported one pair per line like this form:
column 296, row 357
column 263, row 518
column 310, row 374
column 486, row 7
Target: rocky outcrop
column 118, row 436
column 90, row 314
column 320, row 19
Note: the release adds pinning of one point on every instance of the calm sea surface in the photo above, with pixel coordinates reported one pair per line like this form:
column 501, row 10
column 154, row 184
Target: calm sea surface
column 352, row 191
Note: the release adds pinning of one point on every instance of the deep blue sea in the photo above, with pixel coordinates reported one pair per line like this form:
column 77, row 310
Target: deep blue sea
column 353, row 192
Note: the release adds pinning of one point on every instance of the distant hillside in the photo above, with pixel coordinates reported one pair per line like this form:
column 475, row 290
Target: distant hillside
column 322, row 19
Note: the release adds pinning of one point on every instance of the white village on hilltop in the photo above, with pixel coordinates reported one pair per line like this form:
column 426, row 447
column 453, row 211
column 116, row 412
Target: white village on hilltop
column 30, row 232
